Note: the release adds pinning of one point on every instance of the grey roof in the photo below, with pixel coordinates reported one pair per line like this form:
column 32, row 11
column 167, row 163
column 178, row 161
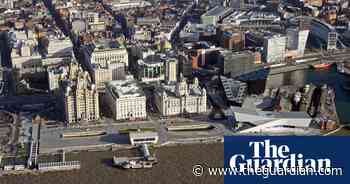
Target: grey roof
column 142, row 134
column 271, row 114
column 216, row 11
column 128, row 88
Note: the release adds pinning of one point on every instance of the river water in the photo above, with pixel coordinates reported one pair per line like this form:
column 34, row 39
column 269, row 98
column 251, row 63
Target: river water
column 318, row 77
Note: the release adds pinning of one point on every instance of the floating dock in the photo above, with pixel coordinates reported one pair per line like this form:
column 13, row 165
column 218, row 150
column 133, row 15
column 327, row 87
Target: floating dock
column 190, row 127
column 83, row 134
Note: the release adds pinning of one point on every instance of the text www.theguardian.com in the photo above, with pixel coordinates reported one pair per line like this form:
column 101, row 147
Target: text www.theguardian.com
column 266, row 172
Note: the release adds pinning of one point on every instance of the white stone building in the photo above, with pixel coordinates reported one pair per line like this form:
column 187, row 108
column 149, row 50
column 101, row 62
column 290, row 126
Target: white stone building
column 80, row 99
column 55, row 75
column 105, row 57
column 126, row 99
column 274, row 48
column 101, row 76
column 181, row 97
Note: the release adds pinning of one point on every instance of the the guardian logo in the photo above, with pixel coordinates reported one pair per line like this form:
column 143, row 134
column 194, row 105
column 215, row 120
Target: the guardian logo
column 267, row 155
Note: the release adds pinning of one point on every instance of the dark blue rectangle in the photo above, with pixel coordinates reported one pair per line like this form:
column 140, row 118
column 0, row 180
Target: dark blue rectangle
column 307, row 150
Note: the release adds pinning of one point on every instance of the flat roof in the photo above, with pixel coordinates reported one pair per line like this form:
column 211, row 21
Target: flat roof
column 216, row 11
column 271, row 114
column 142, row 134
column 125, row 88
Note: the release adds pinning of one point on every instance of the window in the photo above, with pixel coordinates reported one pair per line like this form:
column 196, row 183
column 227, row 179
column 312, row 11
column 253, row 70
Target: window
column 144, row 139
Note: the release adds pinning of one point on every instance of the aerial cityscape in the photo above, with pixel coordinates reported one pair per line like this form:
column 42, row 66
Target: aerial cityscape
column 139, row 91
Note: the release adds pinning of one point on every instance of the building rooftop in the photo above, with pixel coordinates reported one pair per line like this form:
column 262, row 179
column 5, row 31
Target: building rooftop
column 142, row 134
column 127, row 88
column 170, row 89
column 271, row 114
column 217, row 11
column 232, row 88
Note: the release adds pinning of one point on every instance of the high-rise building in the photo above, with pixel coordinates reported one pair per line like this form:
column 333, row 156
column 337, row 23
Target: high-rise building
column 233, row 40
column 101, row 75
column 236, row 62
column 171, row 70
column 296, row 40
column 235, row 91
column 332, row 40
column 55, row 75
column 274, row 48
column 185, row 65
column 118, row 71
column 80, row 97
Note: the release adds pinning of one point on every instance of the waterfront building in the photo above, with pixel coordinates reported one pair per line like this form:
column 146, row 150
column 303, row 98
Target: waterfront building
column 296, row 40
column 234, row 63
column 80, row 98
column 143, row 137
column 332, row 40
column 269, row 121
column 235, row 91
column 126, row 99
column 180, row 97
column 326, row 34
column 274, row 48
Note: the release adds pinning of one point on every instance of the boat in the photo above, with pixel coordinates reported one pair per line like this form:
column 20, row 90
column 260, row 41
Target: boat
column 322, row 66
column 134, row 163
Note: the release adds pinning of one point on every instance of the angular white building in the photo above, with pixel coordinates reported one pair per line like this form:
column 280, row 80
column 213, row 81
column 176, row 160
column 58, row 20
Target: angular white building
column 126, row 99
column 180, row 97
column 271, row 122
column 274, row 48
